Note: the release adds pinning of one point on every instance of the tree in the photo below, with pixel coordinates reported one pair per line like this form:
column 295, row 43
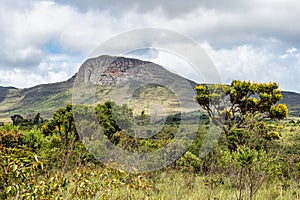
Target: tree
column 114, row 118
column 63, row 121
column 240, row 110
column 229, row 106
column 37, row 119
column 248, row 168
column 63, row 124
column 17, row 119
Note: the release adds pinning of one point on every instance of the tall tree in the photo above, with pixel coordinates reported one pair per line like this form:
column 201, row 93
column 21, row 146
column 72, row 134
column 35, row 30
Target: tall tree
column 114, row 118
column 63, row 123
column 229, row 106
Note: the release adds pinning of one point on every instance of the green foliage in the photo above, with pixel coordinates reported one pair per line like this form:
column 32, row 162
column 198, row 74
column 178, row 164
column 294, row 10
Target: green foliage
column 261, row 163
column 198, row 140
column 189, row 162
column 10, row 136
column 62, row 123
column 48, row 128
column 203, row 95
column 279, row 111
column 237, row 137
column 298, row 170
column 36, row 172
column 54, row 142
column 113, row 118
column 230, row 106
column 242, row 97
column 249, row 168
column 34, row 139
column 19, row 170
column 150, row 145
column 246, row 157
column 241, row 110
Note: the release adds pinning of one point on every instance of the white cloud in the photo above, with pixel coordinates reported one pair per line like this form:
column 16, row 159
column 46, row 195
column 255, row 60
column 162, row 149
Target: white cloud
column 52, row 69
column 257, row 40
column 256, row 63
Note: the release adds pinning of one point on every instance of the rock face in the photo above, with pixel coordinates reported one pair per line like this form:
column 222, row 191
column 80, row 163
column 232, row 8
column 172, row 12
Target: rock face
column 108, row 70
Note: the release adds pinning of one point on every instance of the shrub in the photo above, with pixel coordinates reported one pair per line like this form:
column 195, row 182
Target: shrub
column 279, row 111
column 10, row 136
column 189, row 162
column 273, row 135
column 34, row 139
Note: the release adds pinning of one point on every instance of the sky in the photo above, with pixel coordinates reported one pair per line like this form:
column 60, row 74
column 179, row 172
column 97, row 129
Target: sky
column 47, row 41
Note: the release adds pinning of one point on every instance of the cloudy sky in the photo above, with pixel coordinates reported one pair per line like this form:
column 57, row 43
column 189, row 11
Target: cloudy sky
column 46, row 41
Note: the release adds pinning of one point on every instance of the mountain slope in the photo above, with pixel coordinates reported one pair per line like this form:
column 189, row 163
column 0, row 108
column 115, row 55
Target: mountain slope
column 141, row 84
column 104, row 71
column 113, row 77
column 4, row 91
column 292, row 100
column 44, row 98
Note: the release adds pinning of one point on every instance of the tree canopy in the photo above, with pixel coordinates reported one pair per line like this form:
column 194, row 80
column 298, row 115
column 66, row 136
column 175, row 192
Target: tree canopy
column 228, row 106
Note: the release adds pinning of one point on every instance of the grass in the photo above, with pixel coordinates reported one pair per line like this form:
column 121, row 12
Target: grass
column 175, row 185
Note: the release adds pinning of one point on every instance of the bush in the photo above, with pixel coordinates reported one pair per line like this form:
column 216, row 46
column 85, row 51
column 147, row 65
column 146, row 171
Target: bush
column 10, row 136
column 34, row 139
column 189, row 162
column 273, row 135
column 279, row 111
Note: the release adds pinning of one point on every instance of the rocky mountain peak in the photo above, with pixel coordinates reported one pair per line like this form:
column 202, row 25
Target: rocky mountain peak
column 107, row 70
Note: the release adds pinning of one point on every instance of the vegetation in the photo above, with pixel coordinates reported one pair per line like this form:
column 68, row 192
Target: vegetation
column 257, row 155
column 229, row 106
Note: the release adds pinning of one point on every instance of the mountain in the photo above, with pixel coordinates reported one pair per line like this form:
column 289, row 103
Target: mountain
column 141, row 84
column 4, row 91
column 292, row 100
column 113, row 77
column 45, row 98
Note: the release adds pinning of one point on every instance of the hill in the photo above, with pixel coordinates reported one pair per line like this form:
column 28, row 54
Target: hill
column 139, row 80
column 45, row 98
column 125, row 77
column 292, row 100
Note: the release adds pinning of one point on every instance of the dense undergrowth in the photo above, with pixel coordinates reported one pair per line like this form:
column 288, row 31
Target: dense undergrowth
column 255, row 156
column 36, row 165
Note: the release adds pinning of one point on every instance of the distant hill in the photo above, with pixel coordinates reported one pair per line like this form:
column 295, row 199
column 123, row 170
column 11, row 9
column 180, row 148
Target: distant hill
column 45, row 98
column 4, row 91
column 292, row 100
column 106, row 72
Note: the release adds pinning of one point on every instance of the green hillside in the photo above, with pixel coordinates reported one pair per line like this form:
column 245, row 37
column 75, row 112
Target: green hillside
column 47, row 98
column 44, row 98
column 292, row 100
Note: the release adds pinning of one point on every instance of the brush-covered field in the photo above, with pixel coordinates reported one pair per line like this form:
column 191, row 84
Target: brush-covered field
column 37, row 162
column 247, row 149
